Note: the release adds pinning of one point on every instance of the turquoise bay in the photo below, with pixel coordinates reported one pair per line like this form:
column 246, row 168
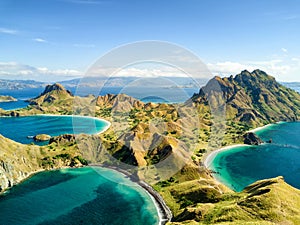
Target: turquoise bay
column 20, row 128
column 77, row 196
column 240, row 166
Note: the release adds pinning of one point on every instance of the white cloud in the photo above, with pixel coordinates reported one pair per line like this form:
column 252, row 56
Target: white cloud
column 146, row 72
column 142, row 70
column 283, row 69
column 8, row 31
column 284, row 50
column 41, row 40
column 64, row 72
column 228, row 68
column 14, row 70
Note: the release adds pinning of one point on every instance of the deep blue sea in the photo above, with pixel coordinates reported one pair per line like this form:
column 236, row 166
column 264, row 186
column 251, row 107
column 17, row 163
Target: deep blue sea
column 145, row 94
column 241, row 166
column 21, row 95
column 157, row 95
column 77, row 196
column 22, row 129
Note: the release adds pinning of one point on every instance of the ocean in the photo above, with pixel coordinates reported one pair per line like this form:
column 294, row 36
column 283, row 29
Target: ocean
column 145, row 94
column 148, row 94
column 21, row 95
column 22, row 129
column 77, row 196
column 240, row 166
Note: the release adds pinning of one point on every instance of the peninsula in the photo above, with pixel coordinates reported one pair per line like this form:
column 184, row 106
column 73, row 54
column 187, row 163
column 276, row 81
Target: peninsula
column 250, row 100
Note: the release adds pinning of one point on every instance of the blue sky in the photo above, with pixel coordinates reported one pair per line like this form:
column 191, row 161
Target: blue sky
column 59, row 39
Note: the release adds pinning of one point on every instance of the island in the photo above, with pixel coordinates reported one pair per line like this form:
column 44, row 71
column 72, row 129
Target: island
column 41, row 137
column 147, row 140
column 6, row 98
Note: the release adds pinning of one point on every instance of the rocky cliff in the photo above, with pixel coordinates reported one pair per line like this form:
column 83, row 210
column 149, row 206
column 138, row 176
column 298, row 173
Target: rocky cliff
column 254, row 98
column 251, row 138
column 18, row 161
column 15, row 167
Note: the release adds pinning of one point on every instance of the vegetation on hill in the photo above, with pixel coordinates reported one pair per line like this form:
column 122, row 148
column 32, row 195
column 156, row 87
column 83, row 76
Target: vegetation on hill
column 257, row 99
column 18, row 161
column 154, row 140
column 269, row 201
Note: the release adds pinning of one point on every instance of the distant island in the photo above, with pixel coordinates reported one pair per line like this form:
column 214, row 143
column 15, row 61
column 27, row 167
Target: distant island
column 252, row 100
column 20, row 84
column 6, row 98
column 94, row 82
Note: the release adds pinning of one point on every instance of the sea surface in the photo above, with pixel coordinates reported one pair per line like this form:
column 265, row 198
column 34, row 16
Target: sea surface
column 77, row 196
column 241, row 166
column 22, row 129
column 145, row 94
column 157, row 95
column 21, row 95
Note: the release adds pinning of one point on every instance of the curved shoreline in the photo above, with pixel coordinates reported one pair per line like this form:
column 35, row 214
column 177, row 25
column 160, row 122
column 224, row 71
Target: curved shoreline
column 263, row 127
column 164, row 213
column 108, row 124
column 209, row 157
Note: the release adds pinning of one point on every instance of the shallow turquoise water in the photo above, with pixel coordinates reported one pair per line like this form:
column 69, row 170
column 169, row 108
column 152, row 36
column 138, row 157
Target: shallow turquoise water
column 77, row 196
column 241, row 166
column 19, row 128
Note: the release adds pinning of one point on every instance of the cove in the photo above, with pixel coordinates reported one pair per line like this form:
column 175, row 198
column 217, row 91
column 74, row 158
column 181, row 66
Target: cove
column 20, row 128
column 240, row 166
column 78, row 196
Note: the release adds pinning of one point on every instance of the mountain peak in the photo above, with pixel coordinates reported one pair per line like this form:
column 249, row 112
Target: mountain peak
column 256, row 79
column 245, row 72
column 53, row 87
column 253, row 97
column 50, row 94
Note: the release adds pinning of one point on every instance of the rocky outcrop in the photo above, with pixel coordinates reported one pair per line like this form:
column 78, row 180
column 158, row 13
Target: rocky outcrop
column 5, row 98
column 41, row 137
column 251, row 138
column 119, row 102
column 15, row 167
column 63, row 139
column 14, row 114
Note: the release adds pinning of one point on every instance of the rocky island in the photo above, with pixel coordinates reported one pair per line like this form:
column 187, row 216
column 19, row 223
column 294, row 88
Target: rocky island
column 6, row 98
column 252, row 99
column 42, row 137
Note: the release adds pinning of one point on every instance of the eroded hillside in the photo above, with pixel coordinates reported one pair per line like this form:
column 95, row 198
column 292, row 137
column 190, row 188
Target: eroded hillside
column 165, row 143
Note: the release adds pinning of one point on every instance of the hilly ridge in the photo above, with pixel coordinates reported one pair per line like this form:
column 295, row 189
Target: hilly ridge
column 256, row 98
column 146, row 134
